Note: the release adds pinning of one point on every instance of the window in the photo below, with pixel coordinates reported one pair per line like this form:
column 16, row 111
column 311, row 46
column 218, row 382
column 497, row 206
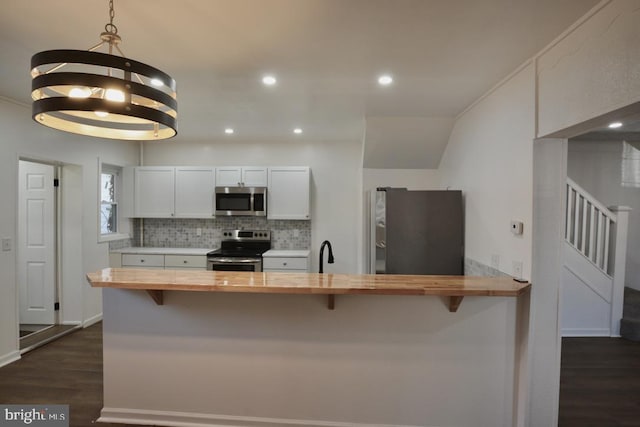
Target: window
column 113, row 224
column 108, row 201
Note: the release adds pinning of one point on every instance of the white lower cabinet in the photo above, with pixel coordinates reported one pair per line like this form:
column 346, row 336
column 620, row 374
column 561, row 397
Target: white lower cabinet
column 158, row 261
column 286, row 262
column 174, row 262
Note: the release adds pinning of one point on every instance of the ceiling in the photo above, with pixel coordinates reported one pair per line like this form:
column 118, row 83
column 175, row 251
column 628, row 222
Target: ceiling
column 326, row 55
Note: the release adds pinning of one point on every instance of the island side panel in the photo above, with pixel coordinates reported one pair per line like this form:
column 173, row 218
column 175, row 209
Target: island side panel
column 399, row 360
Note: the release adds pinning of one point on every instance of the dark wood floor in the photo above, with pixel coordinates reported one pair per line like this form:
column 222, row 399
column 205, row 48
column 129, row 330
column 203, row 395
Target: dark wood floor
column 600, row 383
column 65, row 371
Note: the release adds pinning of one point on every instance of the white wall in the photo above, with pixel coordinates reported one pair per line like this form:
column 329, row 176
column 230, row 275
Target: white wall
column 336, row 175
column 489, row 158
column 597, row 167
column 23, row 137
column 593, row 70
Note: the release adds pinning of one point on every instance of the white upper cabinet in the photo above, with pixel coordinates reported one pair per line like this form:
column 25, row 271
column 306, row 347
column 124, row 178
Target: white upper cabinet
column 289, row 193
column 195, row 192
column 154, row 192
column 236, row 176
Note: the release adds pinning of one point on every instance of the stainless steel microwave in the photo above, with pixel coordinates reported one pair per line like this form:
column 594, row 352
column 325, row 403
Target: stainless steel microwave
column 241, row 201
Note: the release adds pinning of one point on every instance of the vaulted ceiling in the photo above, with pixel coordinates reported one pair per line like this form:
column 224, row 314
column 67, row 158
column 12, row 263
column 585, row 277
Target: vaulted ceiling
column 326, row 55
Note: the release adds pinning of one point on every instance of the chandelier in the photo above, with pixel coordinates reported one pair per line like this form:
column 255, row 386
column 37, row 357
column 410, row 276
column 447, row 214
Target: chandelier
column 102, row 94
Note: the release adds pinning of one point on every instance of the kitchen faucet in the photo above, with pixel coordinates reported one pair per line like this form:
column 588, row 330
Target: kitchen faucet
column 330, row 260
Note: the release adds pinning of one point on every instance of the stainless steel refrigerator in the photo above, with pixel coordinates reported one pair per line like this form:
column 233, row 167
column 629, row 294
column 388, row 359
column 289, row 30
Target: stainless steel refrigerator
column 416, row 232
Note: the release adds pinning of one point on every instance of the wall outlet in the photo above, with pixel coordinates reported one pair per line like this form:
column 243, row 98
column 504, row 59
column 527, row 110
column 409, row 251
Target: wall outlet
column 6, row 244
column 495, row 261
column 517, row 269
column 198, row 231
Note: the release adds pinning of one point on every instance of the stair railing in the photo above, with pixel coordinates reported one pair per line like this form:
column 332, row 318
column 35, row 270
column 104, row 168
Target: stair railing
column 588, row 226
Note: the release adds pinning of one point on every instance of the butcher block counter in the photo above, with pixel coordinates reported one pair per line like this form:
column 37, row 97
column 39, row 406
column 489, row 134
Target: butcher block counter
column 157, row 281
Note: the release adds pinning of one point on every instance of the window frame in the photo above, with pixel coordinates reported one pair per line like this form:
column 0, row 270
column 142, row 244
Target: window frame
column 120, row 226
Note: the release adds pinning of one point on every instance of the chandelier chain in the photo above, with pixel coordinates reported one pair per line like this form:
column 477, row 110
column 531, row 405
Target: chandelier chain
column 110, row 27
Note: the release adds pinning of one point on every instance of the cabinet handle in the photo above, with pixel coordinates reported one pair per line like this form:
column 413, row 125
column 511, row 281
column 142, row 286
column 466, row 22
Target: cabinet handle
column 141, row 260
column 284, row 263
column 185, row 261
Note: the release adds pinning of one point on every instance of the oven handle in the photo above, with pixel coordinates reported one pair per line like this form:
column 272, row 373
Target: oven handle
column 233, row 260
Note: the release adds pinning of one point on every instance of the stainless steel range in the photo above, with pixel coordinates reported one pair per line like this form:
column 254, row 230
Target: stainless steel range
column 241, row 250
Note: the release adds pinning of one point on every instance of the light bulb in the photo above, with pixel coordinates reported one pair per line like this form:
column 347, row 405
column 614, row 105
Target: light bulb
column 80, row 92
column 615, row 125
column 157, row 82
column 115, row 95
column 297, row 131
column 228, row 131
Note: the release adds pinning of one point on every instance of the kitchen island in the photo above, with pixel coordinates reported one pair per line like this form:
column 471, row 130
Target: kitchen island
column 256, row 349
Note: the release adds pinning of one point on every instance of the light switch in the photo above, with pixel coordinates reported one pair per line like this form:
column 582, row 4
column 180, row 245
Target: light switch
column 6, row 244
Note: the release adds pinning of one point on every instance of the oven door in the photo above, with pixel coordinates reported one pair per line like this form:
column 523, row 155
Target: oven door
column 234, row 264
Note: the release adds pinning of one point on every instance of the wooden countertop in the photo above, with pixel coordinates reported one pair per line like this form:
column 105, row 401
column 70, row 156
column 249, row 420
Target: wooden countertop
column 156, row 281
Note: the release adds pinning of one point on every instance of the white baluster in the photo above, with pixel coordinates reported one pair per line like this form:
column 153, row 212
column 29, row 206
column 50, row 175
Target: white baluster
column 592, row 233
column 599, row 239
column 605, row 264
column 568, row 225
column 583, row 243
column 576, row 220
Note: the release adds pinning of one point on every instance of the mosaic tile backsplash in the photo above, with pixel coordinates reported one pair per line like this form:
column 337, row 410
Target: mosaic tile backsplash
column 182, row 233
column 476, row 268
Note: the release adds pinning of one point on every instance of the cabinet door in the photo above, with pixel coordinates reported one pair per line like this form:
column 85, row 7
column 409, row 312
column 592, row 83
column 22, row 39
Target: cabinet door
column 154, row 192
column 254, row 177
column 288, row 193
column 228, row 176
column 195, row 187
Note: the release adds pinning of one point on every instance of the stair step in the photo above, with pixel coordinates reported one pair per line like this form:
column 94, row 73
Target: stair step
column 631, row 308
column 630, row 329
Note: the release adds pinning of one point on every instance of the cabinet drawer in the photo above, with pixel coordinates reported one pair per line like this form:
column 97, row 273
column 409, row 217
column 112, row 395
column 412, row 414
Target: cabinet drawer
column 142, row 260
column 285, row 263
column 185, row 261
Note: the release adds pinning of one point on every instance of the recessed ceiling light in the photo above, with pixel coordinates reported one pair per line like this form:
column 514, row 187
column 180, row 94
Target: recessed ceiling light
column 385, row 80
column 228, row 131
column 269, row 80
column 615, row 125
column 297, row 131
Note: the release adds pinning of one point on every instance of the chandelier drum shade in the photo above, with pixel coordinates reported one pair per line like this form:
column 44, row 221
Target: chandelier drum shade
column 101, row 94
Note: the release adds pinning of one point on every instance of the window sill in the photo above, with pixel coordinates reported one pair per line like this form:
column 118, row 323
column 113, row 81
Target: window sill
column 111, row 237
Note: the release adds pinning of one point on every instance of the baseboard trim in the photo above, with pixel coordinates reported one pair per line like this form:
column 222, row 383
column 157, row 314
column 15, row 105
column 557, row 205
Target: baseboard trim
column 587, row 332
column 71, row 323
column 92, row 320
column 190, row 419
column 9, row 358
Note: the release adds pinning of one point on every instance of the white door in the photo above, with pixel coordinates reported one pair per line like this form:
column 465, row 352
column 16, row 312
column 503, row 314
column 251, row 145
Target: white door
column 36, row 245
